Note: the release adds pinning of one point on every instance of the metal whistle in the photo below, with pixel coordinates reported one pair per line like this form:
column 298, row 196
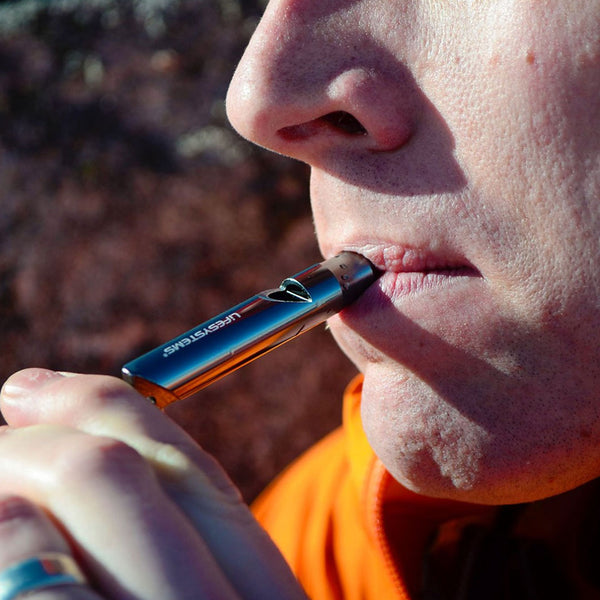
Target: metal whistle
column 202, row 355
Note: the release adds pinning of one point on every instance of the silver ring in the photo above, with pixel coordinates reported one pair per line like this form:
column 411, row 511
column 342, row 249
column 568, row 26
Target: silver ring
column 39, row 572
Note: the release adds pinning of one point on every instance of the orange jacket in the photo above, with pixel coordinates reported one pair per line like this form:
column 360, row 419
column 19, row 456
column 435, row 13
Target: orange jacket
column 336, row 512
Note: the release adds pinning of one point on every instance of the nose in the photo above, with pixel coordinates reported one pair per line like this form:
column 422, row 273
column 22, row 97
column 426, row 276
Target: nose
column 313, row 79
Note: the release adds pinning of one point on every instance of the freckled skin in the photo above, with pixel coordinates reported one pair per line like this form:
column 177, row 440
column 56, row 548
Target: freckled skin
column 480, row 144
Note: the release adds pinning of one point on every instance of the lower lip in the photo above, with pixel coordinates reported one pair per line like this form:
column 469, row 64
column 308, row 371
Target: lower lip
column 402, row 313
column 400, row 285
column 416, row 292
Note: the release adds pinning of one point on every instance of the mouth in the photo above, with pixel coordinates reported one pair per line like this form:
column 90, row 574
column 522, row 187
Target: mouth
column 422, row 294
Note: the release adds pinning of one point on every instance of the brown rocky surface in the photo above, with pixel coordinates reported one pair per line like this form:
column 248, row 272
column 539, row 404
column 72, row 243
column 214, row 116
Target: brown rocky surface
column 130, row 212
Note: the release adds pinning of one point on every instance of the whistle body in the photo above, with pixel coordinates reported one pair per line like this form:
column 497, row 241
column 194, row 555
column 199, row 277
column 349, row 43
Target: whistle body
column 215, row 348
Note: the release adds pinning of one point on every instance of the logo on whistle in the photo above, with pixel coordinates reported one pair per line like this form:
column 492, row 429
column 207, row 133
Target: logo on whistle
column 199, row 334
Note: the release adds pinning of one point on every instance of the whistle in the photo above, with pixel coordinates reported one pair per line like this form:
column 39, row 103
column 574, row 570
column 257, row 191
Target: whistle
column 219, row 346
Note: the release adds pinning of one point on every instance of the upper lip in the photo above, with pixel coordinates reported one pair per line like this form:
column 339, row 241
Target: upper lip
column 398, row 258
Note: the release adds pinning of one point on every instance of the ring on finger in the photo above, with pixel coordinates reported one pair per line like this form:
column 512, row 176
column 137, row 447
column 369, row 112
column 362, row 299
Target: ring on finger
column 40, row 572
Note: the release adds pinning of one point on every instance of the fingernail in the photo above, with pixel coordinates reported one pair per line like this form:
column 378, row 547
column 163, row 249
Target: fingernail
column 26, row 381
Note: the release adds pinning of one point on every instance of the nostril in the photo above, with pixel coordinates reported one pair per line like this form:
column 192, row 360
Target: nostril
column 339, row 120
column 345, row 122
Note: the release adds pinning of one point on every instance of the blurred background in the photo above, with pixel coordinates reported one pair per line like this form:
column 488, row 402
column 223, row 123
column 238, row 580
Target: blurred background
column 130, row 212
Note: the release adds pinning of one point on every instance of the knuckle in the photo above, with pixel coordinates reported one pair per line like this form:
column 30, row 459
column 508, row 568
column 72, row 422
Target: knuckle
column 85, row 458
column 108, row 389
column 16, row 509
column 74, row 395
column 25, row 529
column 100, row 390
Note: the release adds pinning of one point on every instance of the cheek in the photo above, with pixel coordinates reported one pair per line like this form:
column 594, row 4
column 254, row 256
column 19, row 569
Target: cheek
column 525, row 94
column 528, row 134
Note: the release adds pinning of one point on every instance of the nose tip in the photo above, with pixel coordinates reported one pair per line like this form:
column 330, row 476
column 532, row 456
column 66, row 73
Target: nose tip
column 249, row 105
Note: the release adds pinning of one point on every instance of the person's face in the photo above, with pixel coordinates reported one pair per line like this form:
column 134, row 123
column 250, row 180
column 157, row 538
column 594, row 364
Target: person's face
column 455, row 144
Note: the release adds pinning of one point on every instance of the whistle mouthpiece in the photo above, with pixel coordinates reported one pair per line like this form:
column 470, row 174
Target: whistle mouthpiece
column 219, row 346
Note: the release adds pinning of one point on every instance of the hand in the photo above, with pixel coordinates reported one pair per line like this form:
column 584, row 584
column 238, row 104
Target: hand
column 88, row 465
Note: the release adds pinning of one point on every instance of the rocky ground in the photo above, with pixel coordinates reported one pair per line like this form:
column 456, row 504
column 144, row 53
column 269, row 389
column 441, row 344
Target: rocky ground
column 131, row 212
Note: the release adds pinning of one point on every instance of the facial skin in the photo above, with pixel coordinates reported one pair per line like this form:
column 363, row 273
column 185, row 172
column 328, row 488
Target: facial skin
column 473, row 182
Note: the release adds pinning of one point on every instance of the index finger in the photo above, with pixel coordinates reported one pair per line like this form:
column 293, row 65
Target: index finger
column 103, row 406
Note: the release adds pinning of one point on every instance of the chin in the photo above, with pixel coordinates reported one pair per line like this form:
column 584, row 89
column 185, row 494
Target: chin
column 480, row 479
column 492, row 490
column 444, row 450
